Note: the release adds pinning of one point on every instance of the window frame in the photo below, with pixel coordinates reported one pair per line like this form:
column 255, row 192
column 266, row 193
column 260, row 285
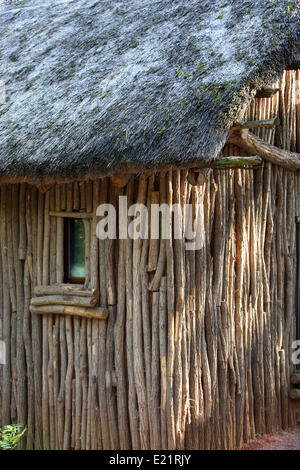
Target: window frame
column 67, row 278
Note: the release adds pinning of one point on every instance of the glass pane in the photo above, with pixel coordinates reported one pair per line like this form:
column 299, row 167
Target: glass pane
column 76, row 248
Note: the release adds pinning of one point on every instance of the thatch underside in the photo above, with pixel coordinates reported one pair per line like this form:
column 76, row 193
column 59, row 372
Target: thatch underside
column 92, row 87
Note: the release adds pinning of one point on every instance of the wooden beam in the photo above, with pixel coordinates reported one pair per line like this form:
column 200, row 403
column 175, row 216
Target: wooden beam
column 64, row 300
column 236, row 162
column 253, row 144
column 266, row 92
column 198, row 176
column 66, row 289
column 224, row 163
column 72, row 215
column 295, row 379
column 99, row 313
column 256, row 124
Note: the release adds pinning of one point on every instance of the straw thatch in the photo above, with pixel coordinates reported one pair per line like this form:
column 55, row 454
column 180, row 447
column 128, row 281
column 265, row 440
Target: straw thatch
column 92, row 86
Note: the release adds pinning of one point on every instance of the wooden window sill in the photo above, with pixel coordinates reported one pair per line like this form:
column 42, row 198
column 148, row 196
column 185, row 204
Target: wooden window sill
column 67, row 299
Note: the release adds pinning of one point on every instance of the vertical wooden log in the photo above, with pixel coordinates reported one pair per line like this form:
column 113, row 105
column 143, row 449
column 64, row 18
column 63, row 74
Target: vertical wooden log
column 161, row 262
column 194, row 365
column 44, row 237
column 19, row 293
column 68, row 385
column 6, row 313
column 76, row 196
column 146, row 309
column 110, row 396
column 59, row 204
column 53, row 327
column 153, row 243
column 102, row 334
column 59, row 238
column 82, row 195
column 111, row 296
column 29, row 359
column 179, row 312
column 22, row 222
column 78, row 385
column 83, row 381
column 163, row 360
column 170, row 303
column 239, row 292
column 36, row 322
column 132, row 397
column 138, row 359
column 155, row 388
column 119, row 348
column 13, row 317
column 94, row 282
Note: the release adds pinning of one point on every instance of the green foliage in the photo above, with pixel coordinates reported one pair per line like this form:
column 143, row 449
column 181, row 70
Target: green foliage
column 10, row 436
column 162, row 129
column 241, row 56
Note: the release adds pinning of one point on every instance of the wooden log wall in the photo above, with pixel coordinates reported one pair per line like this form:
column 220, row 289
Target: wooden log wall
column 195, row 352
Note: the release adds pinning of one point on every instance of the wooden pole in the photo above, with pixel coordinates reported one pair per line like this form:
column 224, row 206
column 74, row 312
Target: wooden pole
column 138, row 359
column 272, row 154
column 99, row 313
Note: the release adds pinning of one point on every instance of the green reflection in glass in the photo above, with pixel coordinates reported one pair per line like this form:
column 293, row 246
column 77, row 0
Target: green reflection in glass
column 76, row 248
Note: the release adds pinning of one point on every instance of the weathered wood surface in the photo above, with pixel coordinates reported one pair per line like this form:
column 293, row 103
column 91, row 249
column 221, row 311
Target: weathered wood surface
column 64, row 300
column 195, row 351
column 66, row 289
column 73, row 310
column 295, row 379
column 262, row 123
column 225, row 163
column 253, row 144
column 72, row 215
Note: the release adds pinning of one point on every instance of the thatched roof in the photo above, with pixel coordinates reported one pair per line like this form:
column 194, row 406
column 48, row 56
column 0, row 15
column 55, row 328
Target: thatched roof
column 92, row 86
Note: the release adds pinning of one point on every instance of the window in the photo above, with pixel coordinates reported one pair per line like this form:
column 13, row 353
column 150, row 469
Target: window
column 74, row 251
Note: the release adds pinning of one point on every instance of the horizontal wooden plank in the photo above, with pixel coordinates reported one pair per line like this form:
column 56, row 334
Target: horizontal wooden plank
column 99, row 313
column 220, row 163
column 64, row 300
column 255, row 124
column 253, row 144
column 66, row 289
column 72, row 215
